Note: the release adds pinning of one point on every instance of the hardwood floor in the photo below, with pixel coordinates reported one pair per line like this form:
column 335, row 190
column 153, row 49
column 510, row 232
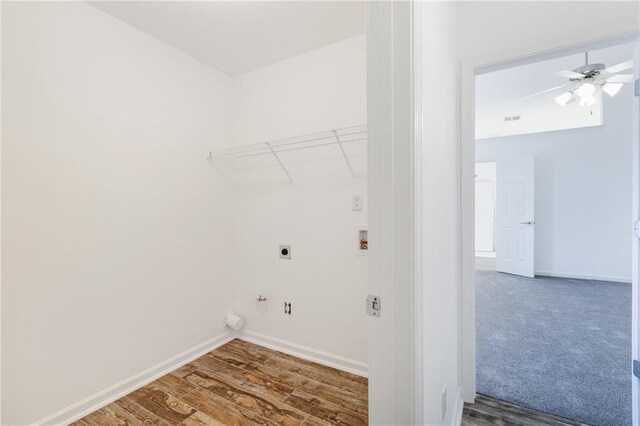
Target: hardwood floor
column 488, row 411
column 242, row 384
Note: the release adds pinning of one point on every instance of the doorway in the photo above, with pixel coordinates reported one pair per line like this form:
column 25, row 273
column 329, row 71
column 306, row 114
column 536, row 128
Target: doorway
column 543, row 297
column 485, row 215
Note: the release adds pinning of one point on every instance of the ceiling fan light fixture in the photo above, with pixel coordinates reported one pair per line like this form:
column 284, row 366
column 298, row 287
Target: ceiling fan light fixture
column 586, row 90
column 588, row 81
column 611, row 89
column 587, row 101
column 564, row 99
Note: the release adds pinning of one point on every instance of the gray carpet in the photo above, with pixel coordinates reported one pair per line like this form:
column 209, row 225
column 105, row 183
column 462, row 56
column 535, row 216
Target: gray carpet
column 561, row 346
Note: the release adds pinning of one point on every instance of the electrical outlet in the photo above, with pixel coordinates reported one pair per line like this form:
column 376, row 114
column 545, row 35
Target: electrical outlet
column 444, row 402
column 287, row 308
column 356, row 202
column 285, row 252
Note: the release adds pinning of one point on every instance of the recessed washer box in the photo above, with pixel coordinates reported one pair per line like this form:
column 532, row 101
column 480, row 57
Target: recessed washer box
column 285, row 252
column 362, row 240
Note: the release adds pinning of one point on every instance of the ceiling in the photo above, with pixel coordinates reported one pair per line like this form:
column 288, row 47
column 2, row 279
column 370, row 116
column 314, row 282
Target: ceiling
column 498, row 96
column 236, row 36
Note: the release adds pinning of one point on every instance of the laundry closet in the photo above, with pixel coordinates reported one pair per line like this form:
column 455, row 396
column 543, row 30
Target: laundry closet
column 165, row 165
column 298, row 179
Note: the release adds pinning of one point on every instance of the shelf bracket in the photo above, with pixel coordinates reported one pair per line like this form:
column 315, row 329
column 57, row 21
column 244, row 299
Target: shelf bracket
column 284, row 169
column 344, row 154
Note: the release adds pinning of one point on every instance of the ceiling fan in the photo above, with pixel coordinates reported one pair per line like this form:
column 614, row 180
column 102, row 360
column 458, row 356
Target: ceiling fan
column 585, row 80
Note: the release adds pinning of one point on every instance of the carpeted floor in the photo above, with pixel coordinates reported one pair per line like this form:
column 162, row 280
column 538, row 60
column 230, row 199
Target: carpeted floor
column 557, row 345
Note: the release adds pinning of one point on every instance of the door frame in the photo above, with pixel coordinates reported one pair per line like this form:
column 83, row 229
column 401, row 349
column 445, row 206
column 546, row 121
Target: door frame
column 635, row 298
column 470, row 68
column 495, row 196
column 394, row 175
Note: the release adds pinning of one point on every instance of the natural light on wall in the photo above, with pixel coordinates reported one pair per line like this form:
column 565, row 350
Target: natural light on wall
column 557, row 94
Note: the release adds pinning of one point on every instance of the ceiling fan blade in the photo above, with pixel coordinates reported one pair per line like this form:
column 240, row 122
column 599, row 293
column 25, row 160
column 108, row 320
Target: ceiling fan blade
column 611, row 89
column 620, row 67
column 569, row 74
column 544, row 91
column 620, row 78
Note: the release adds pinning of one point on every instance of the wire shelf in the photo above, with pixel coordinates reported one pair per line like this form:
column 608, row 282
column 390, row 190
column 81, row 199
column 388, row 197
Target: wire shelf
column 338, row 137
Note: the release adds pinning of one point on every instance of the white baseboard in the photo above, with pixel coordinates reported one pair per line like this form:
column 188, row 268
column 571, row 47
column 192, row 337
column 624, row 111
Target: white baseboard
column 456, row 420
column 491, row 254
column 324, row 358
column 584, row 277
column 98, row 400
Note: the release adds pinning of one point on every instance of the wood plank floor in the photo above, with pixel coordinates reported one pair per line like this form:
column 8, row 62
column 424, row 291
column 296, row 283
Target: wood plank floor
column 488, row 411
column 242, row 384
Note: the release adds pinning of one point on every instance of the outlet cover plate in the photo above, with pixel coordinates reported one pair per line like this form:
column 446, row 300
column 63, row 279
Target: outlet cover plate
column 356, row 202
column 285, row 252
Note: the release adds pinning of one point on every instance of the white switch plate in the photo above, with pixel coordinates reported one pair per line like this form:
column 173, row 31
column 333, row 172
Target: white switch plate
column 356, row 202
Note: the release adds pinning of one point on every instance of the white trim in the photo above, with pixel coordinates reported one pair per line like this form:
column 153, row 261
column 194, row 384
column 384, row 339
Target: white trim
column 391, row 356
column 106, row 396
column 487, row 254
column 304, row 352
column 1, row 6
column 467, row 259
column 456, row 419
column 624, row 31
column 417, row 218
column 626, row 280
column 635, row 215
column 98, row 400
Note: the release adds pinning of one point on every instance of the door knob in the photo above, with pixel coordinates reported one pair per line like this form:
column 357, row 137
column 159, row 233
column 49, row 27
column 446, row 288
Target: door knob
column 528, row 223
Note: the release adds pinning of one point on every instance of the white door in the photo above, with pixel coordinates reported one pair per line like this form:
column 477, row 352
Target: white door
column 515, row 221
column 635, row 325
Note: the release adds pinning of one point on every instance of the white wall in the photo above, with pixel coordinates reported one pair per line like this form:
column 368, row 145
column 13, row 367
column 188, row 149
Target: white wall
column 582, row 193
column 440, row 228
column 320, row 90
column 494, row 29
column 114, row 227
column 325, row 281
